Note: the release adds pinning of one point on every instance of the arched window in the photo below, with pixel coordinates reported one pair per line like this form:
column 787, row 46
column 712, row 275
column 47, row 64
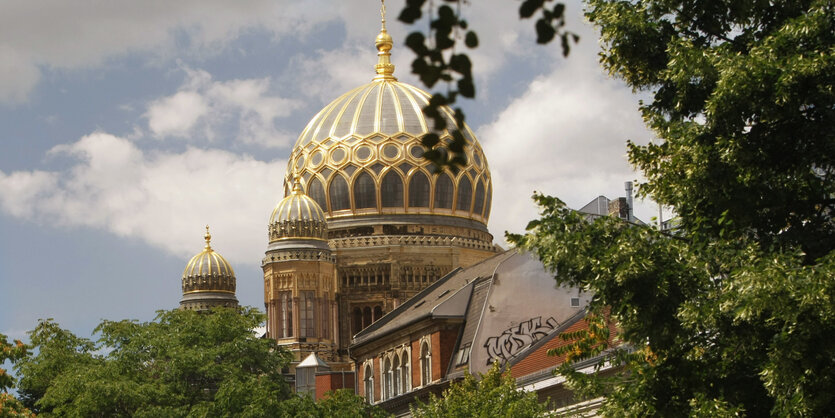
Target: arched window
column 489, row 201
column 465, row 194
column 378, row 312
column 419, row 190
column 369, row 384
column 395, row 373
column 365, row 193
column 387, row 390
column 357, row 320
column 366, row 317
column 478, row 205
column 391, row 190
column 338, row 194
column 405, row 372
column 443, row 192
column 317, row 192
column 425, row 365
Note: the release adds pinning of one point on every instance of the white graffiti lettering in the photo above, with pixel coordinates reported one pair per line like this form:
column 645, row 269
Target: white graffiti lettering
column 515, row 339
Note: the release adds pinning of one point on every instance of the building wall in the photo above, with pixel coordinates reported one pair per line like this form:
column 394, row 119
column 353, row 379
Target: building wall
column 331, row 381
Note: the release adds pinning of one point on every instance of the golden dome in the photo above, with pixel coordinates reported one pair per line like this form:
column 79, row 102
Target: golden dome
column 361, row 155
column 208, row 272
column 297, row 216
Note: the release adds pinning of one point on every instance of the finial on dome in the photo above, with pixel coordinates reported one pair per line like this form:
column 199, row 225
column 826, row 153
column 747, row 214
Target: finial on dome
column 208, row 238
column 297, row 183
column 384, row 67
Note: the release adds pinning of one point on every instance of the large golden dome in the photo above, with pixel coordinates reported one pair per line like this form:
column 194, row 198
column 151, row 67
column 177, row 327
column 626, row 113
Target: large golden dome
column 361, row 156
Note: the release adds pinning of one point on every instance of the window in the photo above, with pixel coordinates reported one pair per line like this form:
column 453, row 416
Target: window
column 365, row 194
column 443, row 192
column 325, row 318
column 338, row 193
column 419, row 190
column 478, row 206
column 307, row 326
column 317, row 192
column 405, row 373
column 357, row 320
column 391, row 190
column 425, row 365
column 465, row 194
column 387, row 390
column 369, row 383
column 395, row 372
column 285, row 314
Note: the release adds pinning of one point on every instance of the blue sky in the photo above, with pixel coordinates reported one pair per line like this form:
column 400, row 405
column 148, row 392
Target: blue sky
column 125, row 127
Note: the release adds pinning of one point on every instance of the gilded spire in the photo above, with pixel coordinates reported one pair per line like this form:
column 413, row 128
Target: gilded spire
column 384, row 67
column 208, row 238
column 297, row 183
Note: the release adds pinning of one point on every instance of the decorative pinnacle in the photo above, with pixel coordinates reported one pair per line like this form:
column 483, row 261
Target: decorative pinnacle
column 208, row 238
column 384, row 67
column 297, row 183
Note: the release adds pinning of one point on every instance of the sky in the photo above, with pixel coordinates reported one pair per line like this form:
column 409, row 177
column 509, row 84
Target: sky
column 127, row 126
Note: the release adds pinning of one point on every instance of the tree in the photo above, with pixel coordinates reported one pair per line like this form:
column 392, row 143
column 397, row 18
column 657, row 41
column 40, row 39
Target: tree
column 183, row 363
column 493, row 395
column 734, row 314
column 9, row 405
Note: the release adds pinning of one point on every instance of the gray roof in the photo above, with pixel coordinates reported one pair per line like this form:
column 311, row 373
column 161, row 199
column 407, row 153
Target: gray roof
column 448, row 297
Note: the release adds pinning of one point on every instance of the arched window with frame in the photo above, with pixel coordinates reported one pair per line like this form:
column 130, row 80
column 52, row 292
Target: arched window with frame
column 465, row 194
column 395, row 374
column 425, row 364
column 387, row 379
column 365, row 192
column 317, row 192
column 391, row 190
column 444, row 192
column 419, row 190
column 338, row 194
column 405, row 372
column 369, row 383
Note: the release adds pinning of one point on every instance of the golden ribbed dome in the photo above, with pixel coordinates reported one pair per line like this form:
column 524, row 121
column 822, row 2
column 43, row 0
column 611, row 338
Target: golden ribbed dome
column 297, row 216
column 208, row 271
column 361, row 155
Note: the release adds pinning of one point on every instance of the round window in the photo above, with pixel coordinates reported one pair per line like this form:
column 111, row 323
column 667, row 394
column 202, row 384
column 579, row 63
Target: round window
column 391, row 151
column 316, row 158
column 417, row 151
column 338, row 155
column 363, row 153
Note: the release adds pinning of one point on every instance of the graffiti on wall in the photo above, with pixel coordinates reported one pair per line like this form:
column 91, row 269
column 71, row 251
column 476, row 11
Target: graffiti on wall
column 516, row 338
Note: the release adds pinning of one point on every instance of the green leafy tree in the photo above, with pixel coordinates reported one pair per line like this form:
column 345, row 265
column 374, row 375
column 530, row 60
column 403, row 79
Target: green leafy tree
column 183, row 363
column 493, row 395
column 733, row 315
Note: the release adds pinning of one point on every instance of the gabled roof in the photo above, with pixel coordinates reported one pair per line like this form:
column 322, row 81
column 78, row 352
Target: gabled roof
column 446, row 298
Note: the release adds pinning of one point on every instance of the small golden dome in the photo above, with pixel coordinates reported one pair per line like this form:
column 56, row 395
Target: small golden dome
column 297, row 216
column 208, row 271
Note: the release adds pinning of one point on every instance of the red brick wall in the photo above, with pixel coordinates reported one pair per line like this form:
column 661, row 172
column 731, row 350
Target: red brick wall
column 539, row 359
column 446, row 343
column 378, row 381
column 415, row 363
column 333, row 381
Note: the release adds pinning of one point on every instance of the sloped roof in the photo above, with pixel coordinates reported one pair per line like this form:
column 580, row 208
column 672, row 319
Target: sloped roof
column 447, row 297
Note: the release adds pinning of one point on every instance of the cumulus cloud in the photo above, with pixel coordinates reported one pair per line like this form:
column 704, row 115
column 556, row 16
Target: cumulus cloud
column 202, row 106
column 163, row 199
column 564, row 136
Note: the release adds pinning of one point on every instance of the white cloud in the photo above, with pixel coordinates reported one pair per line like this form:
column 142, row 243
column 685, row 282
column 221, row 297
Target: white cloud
column 163, row 199
column 176, row 115
column 564, row 136
column 84, row 34
column 203, row 106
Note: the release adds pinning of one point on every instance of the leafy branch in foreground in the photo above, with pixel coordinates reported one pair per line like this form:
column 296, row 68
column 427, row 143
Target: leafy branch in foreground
column 438, row 59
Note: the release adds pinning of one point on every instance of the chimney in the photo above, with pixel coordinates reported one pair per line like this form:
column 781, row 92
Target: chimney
column 631, row 215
